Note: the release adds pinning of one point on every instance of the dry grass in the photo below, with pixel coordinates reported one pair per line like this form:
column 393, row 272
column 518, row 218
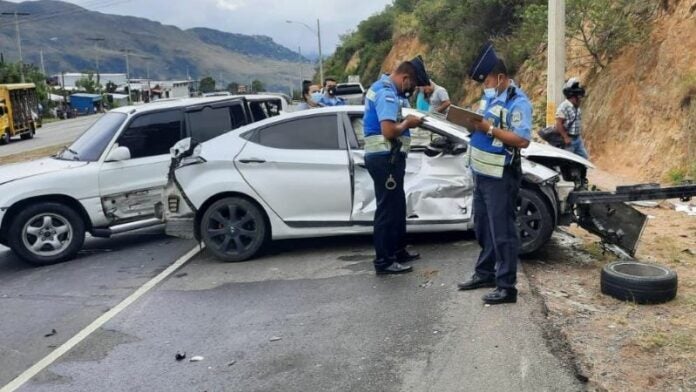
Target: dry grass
column 30, row 155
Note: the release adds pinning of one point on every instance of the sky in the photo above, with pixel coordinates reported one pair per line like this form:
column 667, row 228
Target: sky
column 262, row 17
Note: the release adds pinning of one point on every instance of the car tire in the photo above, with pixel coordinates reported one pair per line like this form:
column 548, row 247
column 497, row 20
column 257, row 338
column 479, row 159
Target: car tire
column 47, row 233
column 639, row 282
column 30, row 134
column 535, row 220
column 233, row 229
column 5, row 139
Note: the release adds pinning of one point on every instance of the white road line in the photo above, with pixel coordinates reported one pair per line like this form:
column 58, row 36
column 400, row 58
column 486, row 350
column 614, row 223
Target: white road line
column 96, row 324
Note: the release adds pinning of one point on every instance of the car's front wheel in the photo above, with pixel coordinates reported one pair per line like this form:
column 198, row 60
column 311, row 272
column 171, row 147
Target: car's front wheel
column 535, row 220
column 233, row 229
column 47, row 233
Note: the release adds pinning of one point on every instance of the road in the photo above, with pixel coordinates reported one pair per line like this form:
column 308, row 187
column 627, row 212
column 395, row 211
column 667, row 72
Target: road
column 310, row 315
column 51, row 134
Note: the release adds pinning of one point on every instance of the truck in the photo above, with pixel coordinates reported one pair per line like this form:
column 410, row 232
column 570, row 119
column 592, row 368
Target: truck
column 19, row 111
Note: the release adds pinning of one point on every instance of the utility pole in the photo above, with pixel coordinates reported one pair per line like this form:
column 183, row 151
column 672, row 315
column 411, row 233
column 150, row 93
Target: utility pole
column 96, row 41
column 43, row 67
column 556, row 59
column 19, row 39
column 299, row 51
column 126, row 52
column 321, row 59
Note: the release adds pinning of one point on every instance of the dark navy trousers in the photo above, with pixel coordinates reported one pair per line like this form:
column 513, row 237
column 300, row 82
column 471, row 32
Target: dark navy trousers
column 390, row 216
column 495, row 208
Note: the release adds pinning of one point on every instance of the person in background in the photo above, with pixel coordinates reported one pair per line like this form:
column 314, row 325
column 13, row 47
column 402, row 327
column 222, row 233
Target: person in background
column 422, row 100
column 308, row 101
column 438, row 97
column 329, row 98
column 569, row 118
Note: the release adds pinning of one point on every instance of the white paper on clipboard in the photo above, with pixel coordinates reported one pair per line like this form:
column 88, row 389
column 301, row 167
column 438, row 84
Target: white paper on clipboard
column 463, row 117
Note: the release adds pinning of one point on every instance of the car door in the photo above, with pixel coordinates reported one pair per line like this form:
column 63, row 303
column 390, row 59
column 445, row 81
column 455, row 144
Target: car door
column 299, row 167
column 130, row 188
column 439, row 189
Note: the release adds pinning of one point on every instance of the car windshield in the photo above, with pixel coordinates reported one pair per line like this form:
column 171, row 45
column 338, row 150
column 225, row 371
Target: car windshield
column 91, row 144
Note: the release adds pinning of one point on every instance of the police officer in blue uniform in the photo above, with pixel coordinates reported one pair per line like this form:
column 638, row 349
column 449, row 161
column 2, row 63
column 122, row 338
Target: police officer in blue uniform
column 387, row 142
column 495, row 161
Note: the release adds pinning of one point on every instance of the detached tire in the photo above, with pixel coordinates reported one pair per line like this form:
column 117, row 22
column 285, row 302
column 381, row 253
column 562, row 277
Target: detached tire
column 639, row 282
column 233, row 229
column 46, row 233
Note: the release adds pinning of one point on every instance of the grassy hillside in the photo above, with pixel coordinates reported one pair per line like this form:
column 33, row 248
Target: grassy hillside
column 61, row 30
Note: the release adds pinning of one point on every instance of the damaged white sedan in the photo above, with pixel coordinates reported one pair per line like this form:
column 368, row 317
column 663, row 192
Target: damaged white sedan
column 302, row 174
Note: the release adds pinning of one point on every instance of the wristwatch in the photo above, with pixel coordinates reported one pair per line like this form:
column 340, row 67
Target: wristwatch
column 490, row 131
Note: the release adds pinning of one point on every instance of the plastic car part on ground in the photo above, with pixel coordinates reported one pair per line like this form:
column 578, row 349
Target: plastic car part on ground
column 642, row 283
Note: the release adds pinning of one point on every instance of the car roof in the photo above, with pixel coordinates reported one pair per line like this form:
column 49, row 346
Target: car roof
column 184, row 102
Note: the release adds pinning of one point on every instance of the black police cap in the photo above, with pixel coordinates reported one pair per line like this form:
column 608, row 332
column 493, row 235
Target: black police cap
column 422, row 78
column 484, row 63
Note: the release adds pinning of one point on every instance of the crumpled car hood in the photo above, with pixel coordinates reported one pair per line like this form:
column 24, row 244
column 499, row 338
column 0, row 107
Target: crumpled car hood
column 18, row 171
column 544, row 150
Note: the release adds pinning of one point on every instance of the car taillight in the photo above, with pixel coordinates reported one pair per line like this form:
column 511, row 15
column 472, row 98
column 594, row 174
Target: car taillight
column 173, row 202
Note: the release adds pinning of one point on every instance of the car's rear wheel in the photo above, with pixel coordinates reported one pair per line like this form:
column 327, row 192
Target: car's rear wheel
column 47, row 233
column 233, row 229
column 30, row 134
column 5, row 139
column 534, row 220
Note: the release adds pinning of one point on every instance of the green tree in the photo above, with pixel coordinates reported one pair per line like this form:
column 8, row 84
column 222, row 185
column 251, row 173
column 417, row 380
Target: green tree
column 605, row 26
column 88, row 84
column 207, row 85
column 257, row 85
column 9, row 73
column 233, row 87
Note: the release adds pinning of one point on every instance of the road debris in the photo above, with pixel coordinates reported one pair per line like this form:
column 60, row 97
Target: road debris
column 53, row 332
column 276, row 338
column 180, row 356
column 197, row 358
column 231, row 363
column 181, row 275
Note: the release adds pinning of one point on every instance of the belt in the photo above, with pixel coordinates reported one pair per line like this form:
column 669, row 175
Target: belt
column 378, row 143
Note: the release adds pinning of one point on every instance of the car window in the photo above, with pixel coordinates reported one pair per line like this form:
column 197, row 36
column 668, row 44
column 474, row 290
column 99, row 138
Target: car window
column 420, row 137
column 92, row 143
column 258, row 110
column 209, row 122
column 152, row 134
column 345, row 89
column 313, row 133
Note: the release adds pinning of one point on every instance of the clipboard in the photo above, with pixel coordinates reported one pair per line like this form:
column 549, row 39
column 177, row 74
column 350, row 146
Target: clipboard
column 463, row 117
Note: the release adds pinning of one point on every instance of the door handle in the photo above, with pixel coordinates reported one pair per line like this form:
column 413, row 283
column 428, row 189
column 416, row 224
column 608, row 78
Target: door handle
column 252, row 160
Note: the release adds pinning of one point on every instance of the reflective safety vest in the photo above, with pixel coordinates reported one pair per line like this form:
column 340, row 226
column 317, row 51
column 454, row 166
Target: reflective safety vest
column 488, row 156
column 375, row 142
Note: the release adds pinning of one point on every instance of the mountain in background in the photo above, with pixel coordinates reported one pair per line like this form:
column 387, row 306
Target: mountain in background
column 62, row 31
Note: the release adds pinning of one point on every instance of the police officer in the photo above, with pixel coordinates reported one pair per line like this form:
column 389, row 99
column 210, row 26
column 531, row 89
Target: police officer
column 387, row 141
column 495, row 160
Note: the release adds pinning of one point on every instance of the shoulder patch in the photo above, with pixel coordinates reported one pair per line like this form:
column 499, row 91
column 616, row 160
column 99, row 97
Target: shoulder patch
column 371, row 94
column 390, row 99
column 516, row 119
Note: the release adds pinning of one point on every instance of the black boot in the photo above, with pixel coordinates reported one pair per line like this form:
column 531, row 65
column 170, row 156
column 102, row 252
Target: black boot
column 404, row 256
column 393, row 269
column 476, row 282
column 501, row 296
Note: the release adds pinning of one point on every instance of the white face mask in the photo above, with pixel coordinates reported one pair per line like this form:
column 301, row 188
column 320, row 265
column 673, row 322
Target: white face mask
column 316, row 96
column 492, row 92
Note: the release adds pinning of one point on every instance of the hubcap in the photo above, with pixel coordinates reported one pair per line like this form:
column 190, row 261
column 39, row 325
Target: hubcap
column 47, row 234
column 528, row 220
column 232, row 229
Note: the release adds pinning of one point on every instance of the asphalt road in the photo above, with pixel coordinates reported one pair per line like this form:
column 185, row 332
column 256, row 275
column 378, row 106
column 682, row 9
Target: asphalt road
column 308, row 316
column 51, row 134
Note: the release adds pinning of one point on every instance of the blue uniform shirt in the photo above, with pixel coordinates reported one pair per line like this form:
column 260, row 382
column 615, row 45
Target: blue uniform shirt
column 326, row 100
column 382, row 103
column 516, row 114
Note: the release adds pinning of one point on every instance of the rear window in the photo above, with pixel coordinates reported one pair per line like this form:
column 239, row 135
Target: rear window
column 347, row 89
column 212, row 122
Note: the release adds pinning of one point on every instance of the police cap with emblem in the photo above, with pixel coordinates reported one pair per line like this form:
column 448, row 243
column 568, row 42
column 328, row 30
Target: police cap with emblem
column 422, row 78
column 484, row 63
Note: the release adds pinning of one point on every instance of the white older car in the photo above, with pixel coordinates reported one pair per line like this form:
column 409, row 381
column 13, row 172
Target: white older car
column 302, row 174
column 110, row 178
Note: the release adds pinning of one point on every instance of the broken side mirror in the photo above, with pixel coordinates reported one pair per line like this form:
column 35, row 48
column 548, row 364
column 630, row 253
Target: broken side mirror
column 118, row 154
column 185, row 148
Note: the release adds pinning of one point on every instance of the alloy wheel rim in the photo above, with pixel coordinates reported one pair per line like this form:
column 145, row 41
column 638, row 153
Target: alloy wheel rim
column 47, row 234
column 232, row 229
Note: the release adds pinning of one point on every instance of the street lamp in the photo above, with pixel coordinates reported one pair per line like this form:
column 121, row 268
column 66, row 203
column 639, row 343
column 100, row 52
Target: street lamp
column 318, row 33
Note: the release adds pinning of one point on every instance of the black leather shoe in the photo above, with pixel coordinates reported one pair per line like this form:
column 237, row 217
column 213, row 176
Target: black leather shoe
column 501, row 296
column 404, row 256
column 393, row 269
column 476, row 282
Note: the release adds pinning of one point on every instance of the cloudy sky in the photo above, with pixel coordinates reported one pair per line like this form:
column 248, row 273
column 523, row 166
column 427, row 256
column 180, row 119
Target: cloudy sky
column 266, row 17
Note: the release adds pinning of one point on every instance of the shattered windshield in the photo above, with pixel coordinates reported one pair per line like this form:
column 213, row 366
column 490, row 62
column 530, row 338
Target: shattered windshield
column 91, row 144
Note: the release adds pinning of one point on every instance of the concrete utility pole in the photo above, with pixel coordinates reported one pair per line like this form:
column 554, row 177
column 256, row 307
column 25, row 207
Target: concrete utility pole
column 299, row 51
column 556, row 59
column 43, row 67
column 19, row 38
column 96, row 41
column 126, row 52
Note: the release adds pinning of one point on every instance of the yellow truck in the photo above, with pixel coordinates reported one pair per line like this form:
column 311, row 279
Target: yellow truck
column 19, row 111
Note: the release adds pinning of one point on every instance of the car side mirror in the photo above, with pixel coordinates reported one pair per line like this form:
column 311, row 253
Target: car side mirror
column 118, row 154
column 184, row 148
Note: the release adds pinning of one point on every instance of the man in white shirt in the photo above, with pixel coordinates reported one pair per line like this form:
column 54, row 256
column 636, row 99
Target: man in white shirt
column 439, row 98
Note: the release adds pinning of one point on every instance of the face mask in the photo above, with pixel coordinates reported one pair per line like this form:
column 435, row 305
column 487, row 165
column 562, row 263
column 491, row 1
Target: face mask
column 316, row 96
column 491, row 92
